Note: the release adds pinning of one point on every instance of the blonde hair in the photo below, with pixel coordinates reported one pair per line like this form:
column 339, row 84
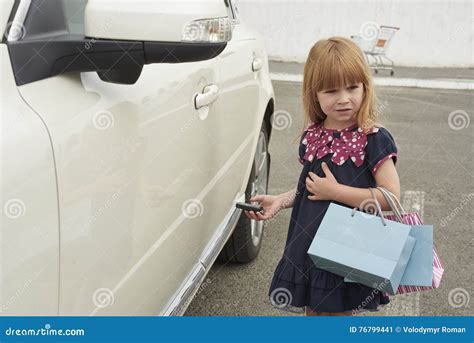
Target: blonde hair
column 333, row 63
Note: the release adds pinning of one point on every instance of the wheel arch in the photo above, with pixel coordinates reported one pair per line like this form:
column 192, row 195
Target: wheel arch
column 268, row 116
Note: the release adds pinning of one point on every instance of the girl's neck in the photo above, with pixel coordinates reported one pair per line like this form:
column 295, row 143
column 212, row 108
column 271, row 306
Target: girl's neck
column 338, row 126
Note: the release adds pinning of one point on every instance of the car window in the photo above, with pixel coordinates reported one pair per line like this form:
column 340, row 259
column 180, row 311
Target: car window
column 51, row 18
column 74, row 13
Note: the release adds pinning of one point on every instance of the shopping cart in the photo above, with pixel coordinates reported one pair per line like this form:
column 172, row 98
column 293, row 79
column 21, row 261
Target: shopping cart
column 375, row 49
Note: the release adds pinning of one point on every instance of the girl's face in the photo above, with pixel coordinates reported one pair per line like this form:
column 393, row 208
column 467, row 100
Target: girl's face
column 341, row 105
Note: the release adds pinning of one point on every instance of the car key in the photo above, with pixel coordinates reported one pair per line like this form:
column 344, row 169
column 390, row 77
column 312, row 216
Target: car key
column 249, row 207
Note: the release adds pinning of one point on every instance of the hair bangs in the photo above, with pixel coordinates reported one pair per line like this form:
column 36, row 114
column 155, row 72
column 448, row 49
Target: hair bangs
column 335, row 71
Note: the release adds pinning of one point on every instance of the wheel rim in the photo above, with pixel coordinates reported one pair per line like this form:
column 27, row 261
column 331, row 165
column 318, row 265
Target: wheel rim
column 259, row 183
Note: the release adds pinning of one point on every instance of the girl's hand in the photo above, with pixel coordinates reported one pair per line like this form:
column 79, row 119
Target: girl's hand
column 322, row 188
column 271, row 204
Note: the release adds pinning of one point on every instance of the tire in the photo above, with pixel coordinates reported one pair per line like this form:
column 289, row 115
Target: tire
column 244, row 244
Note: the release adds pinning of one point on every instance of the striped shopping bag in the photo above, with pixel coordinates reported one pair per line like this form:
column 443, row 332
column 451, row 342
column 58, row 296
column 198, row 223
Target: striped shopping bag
column 411, row 218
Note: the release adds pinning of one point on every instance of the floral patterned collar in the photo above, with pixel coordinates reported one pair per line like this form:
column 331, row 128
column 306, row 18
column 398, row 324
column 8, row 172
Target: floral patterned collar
column 351, row 143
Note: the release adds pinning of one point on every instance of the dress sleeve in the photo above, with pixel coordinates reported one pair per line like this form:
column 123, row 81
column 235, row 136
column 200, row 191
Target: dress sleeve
column 380, row 147
column 301, row 149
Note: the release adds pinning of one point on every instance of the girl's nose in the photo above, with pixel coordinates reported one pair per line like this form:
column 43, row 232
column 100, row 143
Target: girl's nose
column 343, row 98
column 343, row 101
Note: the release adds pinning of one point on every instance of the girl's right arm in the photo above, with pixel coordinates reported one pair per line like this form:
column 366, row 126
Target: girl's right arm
column 272, row 204
column 288, row 198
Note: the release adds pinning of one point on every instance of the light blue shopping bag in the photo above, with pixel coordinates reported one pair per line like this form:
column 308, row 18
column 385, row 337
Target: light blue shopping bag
column 366, row 248
column 419, row 269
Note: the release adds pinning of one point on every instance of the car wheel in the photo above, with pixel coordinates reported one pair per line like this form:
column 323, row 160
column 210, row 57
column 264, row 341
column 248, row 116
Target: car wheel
column 244, row 244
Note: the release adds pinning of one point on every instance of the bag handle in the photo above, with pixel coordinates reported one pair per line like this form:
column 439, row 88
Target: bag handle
column 393, row 202
column 377, row 205
column 394, row 198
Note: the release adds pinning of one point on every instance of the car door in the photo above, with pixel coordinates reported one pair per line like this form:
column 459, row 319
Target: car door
column 241, row 114
column 133, row 173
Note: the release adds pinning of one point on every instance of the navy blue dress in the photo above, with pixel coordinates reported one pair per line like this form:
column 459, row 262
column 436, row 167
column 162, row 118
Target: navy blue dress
column 353, row 157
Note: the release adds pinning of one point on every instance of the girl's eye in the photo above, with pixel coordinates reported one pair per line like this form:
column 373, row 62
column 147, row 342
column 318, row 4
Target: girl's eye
column 353, row 87
column 331, row 91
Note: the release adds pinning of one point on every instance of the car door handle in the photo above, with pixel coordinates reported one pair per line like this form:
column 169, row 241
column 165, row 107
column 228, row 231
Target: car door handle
column 207, row 97
column 257, row 64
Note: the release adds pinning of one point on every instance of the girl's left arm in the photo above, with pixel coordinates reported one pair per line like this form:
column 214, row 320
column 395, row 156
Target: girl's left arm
column 386, row 176
column 328, row 188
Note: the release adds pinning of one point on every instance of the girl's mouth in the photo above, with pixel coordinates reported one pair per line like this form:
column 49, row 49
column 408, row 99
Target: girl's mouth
column 344, row 110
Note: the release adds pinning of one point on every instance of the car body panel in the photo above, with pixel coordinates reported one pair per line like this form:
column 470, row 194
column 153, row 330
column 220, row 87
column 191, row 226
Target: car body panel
column 29, row 232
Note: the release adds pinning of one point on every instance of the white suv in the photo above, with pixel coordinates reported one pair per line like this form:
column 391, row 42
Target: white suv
column 130, row 128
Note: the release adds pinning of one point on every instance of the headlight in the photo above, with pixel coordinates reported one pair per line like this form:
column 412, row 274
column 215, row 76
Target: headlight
column 216, row 30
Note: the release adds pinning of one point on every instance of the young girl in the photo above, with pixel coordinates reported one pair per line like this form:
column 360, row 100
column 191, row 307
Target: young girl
column 344, row 152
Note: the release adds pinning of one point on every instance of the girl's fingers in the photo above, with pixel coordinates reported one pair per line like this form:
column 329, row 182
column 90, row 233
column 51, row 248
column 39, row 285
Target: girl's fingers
column 254, row 215
column 258, row 215
column 249, row 214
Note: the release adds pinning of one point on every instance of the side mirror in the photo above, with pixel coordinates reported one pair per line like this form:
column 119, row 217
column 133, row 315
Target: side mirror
column 184, row 21
column 123, row 35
